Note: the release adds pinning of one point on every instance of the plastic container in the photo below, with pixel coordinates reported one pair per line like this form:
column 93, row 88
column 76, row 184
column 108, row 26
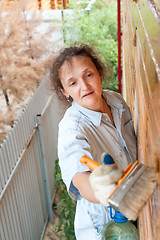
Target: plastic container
column 120, row 228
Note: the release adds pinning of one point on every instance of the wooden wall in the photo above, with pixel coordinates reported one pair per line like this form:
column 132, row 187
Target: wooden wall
column 53, row 4
column 141, row 89
column 39, row 4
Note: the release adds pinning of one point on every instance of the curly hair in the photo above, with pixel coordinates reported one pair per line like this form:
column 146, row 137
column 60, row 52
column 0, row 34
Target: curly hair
column 66, row 54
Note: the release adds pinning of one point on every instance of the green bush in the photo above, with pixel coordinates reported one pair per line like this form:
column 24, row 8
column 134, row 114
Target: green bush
column 98, row 28
column 65, row 208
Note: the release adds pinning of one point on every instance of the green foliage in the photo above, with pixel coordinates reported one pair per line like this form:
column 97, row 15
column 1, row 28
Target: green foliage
column 78, row 4
column 65, row 208
column 98, row 28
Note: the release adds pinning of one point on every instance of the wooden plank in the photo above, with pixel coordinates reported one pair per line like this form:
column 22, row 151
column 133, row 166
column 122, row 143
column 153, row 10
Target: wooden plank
column 45, row 4
column 141, row 81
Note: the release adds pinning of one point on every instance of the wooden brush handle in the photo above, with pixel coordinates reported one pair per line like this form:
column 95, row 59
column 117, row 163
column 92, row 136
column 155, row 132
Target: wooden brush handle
column 89, row 162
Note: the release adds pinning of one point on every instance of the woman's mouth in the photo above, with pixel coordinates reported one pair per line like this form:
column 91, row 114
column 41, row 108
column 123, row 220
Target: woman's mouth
column 87, row 94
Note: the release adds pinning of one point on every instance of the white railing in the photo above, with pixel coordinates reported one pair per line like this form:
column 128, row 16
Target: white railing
column 27, row 159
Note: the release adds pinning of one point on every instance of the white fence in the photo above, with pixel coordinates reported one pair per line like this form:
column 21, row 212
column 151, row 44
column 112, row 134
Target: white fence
column 27, row 159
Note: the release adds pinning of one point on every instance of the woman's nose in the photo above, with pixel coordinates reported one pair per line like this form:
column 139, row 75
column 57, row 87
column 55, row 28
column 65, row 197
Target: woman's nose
column 84, row 84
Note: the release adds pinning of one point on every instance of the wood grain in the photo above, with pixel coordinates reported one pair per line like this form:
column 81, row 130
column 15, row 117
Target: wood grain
column 141, row 89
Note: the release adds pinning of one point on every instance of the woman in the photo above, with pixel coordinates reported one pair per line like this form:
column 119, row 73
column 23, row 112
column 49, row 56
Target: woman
column 98, row 121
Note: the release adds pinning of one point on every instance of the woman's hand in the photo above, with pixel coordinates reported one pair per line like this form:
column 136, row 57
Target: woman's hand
column 103, row 181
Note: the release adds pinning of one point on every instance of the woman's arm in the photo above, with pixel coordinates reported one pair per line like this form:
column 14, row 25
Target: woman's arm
column 81, row 182
column 97, row 186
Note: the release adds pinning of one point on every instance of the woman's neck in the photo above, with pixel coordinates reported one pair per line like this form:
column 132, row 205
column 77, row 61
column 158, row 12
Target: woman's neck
column 106, row 109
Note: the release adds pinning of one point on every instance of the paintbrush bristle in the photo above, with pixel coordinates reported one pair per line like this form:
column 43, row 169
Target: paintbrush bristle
column 137, row 193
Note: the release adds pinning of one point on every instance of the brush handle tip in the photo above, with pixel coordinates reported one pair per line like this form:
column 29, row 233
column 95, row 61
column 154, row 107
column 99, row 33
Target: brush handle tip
column 107, row 159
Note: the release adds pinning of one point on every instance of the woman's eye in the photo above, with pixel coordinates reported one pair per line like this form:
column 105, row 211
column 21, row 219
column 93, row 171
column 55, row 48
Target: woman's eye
column 89, row 75
column 72, row 83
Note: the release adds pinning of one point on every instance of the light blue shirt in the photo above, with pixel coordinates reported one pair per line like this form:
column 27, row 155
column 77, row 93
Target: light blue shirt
column 86, row 132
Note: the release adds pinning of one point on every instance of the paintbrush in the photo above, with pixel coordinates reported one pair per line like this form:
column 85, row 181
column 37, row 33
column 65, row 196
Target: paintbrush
column 133, row 190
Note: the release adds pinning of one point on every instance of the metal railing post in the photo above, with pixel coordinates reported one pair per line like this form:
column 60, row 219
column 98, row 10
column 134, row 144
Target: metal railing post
column 44, row 169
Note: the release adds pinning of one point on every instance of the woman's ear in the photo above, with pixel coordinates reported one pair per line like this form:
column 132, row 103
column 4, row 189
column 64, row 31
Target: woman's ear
column 64, row 92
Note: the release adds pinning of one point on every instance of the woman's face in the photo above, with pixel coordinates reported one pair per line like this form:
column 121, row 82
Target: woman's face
column 81, row 80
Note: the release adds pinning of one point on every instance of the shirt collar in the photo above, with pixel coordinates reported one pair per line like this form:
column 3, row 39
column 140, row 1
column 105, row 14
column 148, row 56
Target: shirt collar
column 96, row 117
column 112, row 100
